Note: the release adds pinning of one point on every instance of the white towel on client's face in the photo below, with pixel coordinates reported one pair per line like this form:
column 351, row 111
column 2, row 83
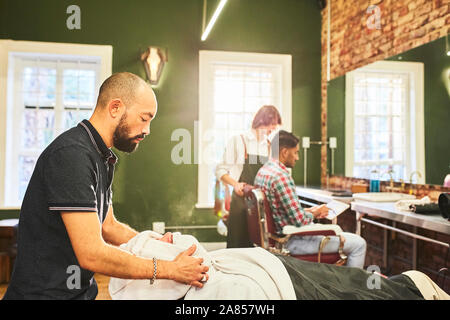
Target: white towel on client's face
column 237, row 274
column 146, row 245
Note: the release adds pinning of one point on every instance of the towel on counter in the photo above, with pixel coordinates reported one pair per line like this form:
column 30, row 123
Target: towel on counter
column 405, row 205
column 237, row 274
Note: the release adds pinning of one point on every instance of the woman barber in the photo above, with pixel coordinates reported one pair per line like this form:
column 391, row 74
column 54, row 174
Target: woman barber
column 243, row 157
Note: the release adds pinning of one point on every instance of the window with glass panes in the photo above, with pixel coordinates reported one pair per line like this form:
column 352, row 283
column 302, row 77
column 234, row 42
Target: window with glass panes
column 50, row 94
column 233, row 87
column 380, row 131
column 239, row 91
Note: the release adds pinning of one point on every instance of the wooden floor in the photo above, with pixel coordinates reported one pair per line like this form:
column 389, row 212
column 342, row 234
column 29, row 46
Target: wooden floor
column 102, row 282
column 3, row 290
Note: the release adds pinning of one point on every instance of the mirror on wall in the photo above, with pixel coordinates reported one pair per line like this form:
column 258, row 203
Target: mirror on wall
column 391, row 119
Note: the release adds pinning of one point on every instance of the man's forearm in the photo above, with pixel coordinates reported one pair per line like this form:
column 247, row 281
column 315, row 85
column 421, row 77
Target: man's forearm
column 226, row 178
column 115, row 262
column 118, row 233
column 93, row 253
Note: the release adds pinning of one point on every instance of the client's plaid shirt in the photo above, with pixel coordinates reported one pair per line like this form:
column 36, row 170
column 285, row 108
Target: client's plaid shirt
column 278, row 186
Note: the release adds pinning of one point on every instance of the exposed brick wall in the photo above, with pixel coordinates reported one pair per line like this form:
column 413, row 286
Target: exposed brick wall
column 355, row 40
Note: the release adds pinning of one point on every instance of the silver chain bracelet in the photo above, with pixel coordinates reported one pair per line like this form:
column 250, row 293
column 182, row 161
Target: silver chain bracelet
column 152, row 280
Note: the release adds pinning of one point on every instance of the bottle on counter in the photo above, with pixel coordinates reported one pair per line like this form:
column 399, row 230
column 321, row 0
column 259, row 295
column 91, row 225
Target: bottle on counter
column 374, row 181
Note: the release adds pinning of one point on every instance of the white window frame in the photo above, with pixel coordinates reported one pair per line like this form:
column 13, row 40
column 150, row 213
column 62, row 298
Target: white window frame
column 207, row 58
column 9, row 47
column 415, row 70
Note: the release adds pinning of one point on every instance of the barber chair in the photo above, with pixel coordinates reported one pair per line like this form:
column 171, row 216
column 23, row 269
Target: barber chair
column 262, row 232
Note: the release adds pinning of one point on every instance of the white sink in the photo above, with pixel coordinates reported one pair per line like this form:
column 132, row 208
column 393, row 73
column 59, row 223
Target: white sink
column 382, row 196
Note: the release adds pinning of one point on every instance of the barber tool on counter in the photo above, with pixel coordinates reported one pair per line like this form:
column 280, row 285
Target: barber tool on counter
column 444, row 204
column 426, row 206
column 429, row 208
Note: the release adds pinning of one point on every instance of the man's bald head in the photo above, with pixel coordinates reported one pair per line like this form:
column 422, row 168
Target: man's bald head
column 126, row 105
column 125, row 86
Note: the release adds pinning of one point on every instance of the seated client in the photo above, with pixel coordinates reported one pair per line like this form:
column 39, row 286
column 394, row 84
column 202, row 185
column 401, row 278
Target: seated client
column 277, row 184
column 257, row 274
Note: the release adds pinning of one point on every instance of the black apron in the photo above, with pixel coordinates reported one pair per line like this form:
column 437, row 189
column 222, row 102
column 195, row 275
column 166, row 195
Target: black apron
column 237, row 221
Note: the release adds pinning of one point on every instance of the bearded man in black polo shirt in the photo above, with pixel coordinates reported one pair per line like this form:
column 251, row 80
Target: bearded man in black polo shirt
column 67, row 229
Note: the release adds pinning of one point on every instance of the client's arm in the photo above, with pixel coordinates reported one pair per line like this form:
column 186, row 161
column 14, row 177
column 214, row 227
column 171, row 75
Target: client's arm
column 318, row 212
column 286, row 196
column 94, row 254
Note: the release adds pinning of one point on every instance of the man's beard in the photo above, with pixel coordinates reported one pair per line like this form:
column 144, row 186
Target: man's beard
column 290, row 165
column 121, row 139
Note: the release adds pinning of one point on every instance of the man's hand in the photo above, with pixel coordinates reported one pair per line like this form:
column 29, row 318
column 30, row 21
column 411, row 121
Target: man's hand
column 239, row 188
column 189, row 270
column 319, row 212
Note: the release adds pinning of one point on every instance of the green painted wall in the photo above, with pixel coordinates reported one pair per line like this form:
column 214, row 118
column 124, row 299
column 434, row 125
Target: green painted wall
column 335, row 121
column 147, row 186
column 436, row 109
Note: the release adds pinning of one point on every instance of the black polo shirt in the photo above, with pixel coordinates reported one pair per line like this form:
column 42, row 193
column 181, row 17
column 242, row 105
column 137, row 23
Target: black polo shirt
column 74, row 173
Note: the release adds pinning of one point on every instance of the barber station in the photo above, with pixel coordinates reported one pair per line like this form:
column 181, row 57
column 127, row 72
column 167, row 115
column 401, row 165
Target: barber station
column 225, row 151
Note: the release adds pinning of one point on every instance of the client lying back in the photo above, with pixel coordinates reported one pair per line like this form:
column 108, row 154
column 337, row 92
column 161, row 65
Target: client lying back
column 256, row 274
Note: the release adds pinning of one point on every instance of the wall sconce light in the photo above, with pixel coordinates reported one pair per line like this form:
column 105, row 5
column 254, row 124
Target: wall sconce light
column 154, row 59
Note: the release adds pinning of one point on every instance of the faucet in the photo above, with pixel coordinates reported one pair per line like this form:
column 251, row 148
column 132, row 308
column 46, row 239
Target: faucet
column 410, row 180
column 391, row 179
column 402, row 188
